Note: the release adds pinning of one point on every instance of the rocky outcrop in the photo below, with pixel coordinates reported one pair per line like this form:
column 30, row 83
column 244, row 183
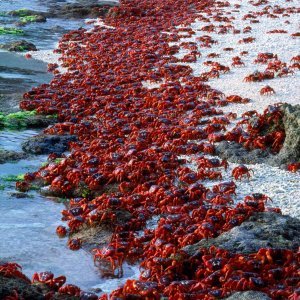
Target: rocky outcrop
column 79, row 11
column 24, row 289
column 8, row 156
column 236, row 153
column 99, row 236
column 262, row 230
column 39, row 121
column 19, row 46
column 249, row 295
column 289, row 153
column 46, row 144
column 25, row 13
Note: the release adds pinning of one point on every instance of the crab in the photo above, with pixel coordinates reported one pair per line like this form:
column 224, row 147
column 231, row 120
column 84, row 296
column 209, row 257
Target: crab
column 12, row 270
column 74, row 244
column 211, row 163
column 61, row 231
column 241, row 171
column 70, row 289
column 48, row 279
column 294, row 167
column 23, row 186
column 114, row 255
column 236, row 61
column 237, row 99
column 267, row 90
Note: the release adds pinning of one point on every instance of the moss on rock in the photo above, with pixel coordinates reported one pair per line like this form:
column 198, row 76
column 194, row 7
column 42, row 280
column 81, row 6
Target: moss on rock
column 11, row 30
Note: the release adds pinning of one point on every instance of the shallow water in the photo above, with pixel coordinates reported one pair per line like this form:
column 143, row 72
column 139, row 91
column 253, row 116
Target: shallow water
column 18, row 74
column 27, row 233
column 27, row 225
column 43, row 35
column 11, row 139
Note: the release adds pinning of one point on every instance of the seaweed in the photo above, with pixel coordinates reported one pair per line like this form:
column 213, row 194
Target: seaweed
column 13, row 178
column 23, row 12
column 11, row 30
column 31, row 19
column 15, row 120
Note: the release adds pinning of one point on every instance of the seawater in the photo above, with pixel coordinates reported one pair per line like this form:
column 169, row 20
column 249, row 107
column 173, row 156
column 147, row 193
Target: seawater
column 43, row 35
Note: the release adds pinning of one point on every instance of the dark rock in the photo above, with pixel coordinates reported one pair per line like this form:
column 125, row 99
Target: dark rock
column 249, row 295
column 24, row 289
column 27, row 121
column 79, row 11
column 289, row 153
column 99, row 235
column 236, row 153
column 7, row 156
column 27, row 291
column 39, row 121
column 19, row 46
column 48, row 192
column 262, row 230
column 19, row 195
column 94, row 237
column 31, row 19
column 46, row 144
column 25, row 13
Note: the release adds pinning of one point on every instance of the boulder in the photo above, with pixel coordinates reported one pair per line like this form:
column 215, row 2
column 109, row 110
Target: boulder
column 289, row 153
column 7, row 156
column 236, row 153
column 46, row 144
column 25, row 290
column 249, row 295
column 23, row 12
column 80, row 11
column 262, row 230
column 18, row 46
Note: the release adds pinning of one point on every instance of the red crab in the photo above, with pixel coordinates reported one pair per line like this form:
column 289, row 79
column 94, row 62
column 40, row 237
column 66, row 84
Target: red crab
column 61, row 231
column 237, row 62
column 48, row 278
column 12, row 270
column 112, row 254
column 294, row 167
column 23, row 186
column 70, row 289
column 240, row 171
column 211, row 163
column 74, row 244
column 267, row 90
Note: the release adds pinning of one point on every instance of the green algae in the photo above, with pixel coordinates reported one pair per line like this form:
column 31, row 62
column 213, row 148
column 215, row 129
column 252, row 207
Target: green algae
column 11, row 30
column 30, row 19
column 23, row 12
column 13, row 178
column 15, row 120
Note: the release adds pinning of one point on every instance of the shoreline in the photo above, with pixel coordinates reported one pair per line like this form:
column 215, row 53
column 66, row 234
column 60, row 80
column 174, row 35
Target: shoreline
column 155, row 170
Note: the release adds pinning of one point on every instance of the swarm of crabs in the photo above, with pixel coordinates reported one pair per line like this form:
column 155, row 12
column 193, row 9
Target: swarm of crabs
column 136, row 140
